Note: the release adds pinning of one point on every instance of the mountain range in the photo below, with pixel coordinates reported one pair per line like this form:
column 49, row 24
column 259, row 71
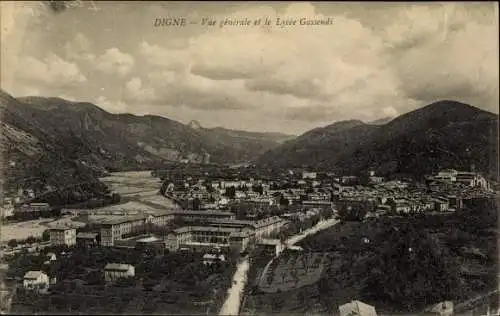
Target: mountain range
column 54, row 140
column 444, row 134
column 55, row 136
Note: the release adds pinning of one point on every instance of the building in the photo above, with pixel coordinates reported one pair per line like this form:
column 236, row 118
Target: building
column 116, row 271
column 193, row 216
column 51, row 256
column 208, row 238
column 87, row 239
column 31, row 210
column 309, row 175
column 441, row 204
column 36, row 281
column 271, row 246
column 150, row 244
column 261, row 228
column 115, row 229
column 357, row 308
column 472, row 179
column 63, row 236
column 7, row 210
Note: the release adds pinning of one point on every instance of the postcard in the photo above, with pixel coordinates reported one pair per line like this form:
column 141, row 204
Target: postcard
column 249, row 158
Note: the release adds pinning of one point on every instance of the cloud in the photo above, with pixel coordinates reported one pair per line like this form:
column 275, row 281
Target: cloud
column 372, row 62
column 137, row 93
column 53, row 72
column 167, row 59
column 319, row 113
column 182, row 89
column 79, row 48
column 452, row 58
column 112, row 106
column 114, row 61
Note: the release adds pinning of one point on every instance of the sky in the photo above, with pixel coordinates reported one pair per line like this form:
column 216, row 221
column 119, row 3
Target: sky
column 375, row 60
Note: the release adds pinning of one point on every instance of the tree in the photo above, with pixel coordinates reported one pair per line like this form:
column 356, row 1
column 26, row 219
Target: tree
column 30, row 240
column 46, row 235
column 230, row 192
column 196, row 203
column 258, row 188
column 115, row 198
column 12, row 243
column 284, row 201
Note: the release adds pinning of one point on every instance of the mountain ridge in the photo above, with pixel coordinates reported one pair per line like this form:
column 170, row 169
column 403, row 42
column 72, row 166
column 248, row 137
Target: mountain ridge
column 112, row 142
column 434, row 134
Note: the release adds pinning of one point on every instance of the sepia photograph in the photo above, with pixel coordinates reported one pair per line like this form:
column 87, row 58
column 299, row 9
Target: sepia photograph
column 249, row 158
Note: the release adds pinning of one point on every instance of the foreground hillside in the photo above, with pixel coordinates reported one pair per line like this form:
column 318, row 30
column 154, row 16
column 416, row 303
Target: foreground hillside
column 399, row 265
column 440, row 135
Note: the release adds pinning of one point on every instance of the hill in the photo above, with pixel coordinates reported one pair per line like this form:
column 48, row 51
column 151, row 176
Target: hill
column 443, row 134
column 81, row 133
column 34, row 158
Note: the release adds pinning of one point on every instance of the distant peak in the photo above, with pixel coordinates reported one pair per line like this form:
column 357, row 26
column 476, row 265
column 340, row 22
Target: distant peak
column 194, row 124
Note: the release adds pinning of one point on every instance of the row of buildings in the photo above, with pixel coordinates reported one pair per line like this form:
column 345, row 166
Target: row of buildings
column 200, row 229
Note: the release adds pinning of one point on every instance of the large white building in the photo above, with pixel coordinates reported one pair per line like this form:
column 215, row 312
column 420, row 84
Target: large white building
column 204, row 237
column 471, row 179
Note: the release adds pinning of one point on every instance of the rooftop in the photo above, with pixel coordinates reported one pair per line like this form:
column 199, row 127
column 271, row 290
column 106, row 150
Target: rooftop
column 33, row 275
column 148, row 239
column 118, row 266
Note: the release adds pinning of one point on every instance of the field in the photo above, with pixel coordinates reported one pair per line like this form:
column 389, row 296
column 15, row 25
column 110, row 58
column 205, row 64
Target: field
column 294, row 271
column 133, row 183
column 33, row 228
column 139, row 191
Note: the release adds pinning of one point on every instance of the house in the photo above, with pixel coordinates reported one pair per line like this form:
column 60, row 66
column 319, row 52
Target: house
column 209, row 259
column 401, row 206
column 472, row 179
column 309, row 175
column 62, row 236
column 51, row 256
column 441, row 204
column 36, row 281
column 115, row 271
column 376, row 180
column 357, row 308
column 7, row 210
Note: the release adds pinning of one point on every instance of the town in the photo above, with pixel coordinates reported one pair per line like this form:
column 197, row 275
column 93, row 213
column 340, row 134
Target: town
column 220, row 220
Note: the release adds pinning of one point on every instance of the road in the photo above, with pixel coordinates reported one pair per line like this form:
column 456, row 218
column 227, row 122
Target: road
column 313, row 230
column 232, row 304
